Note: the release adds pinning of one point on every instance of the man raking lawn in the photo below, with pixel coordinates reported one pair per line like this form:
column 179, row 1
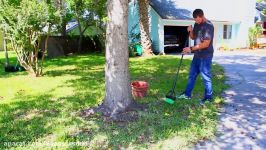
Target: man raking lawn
column 202, row 34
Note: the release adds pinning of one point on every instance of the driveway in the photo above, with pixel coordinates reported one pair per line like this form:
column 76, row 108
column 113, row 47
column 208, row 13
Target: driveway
column 242, row 122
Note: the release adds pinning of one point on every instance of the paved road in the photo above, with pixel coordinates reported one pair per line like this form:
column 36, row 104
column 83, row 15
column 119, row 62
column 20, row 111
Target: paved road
column 242, row 122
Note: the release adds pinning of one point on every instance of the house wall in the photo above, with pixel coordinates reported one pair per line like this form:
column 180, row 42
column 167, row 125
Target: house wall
column 1, row 41
column 247, row 20
column 240, row 14
column 133, row 19
column 164, row 22
column 218, row 40
column 226, row 43
column 133, row 25
column 154, row 29
column 242, row 20
column 239, row 35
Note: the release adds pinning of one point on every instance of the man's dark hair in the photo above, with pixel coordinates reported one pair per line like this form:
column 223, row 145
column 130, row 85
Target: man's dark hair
column 198, row 13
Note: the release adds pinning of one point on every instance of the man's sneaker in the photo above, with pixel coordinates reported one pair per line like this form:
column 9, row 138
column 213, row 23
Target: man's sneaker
column 183, row 96
column 203, row 101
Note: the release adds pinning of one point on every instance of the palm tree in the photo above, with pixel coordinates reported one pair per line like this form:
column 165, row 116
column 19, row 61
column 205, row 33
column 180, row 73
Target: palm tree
column 144, row 27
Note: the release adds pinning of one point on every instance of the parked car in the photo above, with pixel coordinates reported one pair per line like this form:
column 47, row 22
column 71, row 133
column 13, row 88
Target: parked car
column 172, row 44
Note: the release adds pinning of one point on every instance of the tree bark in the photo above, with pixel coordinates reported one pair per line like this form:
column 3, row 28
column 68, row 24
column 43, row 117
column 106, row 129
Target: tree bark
column 61, row 7
column 63, row 28
column 118, row 96
column 80, row 43
column 45, row 48
column 144, row 27
column 80, row 35
column 5, row 48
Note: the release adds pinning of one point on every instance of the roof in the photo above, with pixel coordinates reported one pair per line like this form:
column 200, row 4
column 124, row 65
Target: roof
column 261, row 5
column 71, row 25
column 171, row 10
column 216, row 10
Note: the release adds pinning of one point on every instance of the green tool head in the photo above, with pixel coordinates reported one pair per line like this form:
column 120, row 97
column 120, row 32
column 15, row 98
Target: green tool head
column 169, row 100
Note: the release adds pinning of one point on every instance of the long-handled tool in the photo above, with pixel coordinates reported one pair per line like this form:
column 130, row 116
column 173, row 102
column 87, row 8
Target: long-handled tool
column 171, row 95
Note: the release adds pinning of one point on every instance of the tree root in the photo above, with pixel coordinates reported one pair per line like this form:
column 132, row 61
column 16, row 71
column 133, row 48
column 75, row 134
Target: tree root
column 129, row 114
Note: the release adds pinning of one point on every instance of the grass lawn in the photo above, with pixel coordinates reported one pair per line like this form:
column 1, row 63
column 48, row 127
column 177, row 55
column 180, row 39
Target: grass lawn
column 37, row 112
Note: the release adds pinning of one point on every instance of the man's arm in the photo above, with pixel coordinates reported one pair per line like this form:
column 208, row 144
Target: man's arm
column 207, row 36
column 203, row 45
column 192, row 35
column 200, row 46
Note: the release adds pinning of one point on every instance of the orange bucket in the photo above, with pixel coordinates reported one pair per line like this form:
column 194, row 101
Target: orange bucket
column 139, row 88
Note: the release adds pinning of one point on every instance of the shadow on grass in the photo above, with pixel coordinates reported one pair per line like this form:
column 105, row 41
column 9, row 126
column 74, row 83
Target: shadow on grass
column 32, row 118
column 27, row 119
column 13, row 62
column 161, row 122
column 38, row 116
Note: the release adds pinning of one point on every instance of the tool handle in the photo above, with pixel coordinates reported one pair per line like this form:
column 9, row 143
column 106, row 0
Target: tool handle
column 179, row 66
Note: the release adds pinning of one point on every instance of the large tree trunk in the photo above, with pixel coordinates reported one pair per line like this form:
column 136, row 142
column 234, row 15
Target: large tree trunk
column 144, row 27
column 118, row 95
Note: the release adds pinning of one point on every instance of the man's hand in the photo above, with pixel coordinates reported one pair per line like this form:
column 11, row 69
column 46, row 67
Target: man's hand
column 186, row 50
column 189, row 29
column 190, row 32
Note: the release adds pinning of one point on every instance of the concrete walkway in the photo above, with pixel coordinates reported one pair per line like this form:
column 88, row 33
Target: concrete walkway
column 242, row 124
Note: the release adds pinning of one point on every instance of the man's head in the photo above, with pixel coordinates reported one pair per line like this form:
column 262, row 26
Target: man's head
column 198, row 16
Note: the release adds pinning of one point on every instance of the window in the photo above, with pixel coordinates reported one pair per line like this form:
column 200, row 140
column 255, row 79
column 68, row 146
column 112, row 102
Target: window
column 227, row 31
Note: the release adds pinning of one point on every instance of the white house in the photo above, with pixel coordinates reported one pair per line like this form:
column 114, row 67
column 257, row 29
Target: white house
column 169, row 18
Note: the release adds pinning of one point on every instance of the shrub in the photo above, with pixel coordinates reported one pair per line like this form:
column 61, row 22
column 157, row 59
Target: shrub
column 25, row 23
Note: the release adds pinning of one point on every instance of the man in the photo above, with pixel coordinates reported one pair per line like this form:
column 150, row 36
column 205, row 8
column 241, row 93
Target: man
column 202, row 34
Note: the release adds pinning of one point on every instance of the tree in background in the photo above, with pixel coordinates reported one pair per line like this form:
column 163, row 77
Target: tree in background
column 87, row 13
column 65, row 15
column 25, row 23
column 144, row 26
column 5, row 49
column 253, row 34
